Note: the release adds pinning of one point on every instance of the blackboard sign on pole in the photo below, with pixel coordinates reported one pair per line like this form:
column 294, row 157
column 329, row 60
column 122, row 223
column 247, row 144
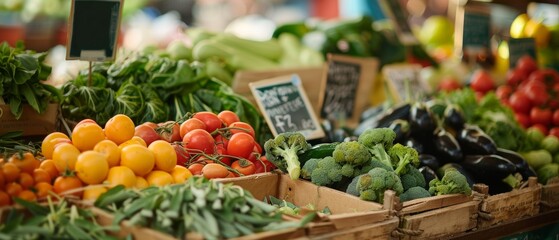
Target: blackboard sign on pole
column 473, row 28
column 519, row 47
column 93, row 29
column 346, row 86
column 397, row 75
column 285, row 106
column 399, row 16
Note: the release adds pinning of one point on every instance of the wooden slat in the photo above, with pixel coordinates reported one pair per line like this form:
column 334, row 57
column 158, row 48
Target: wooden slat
column 430, row 203
column 381, row 230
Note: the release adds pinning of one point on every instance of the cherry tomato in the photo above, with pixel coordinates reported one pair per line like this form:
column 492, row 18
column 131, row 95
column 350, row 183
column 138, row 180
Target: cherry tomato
column 540, row 116
column 244, row 166
column 214, row 170
column 448, row 84
column 263, row 165
column 196, row 168
column 515, row 77
column 503, row 92
column 523, row 119
column 191, row 124
column 519, row 102
column 147, row 133
column 220, row 140
column 182, row 155
column 537, row 93
column 237, row 127
column 554, row 131
column 240, row 145
column 481, row 81
column 199, row 139
column 542, row 128
column 67, row 183
column 169, row 131
column 228, row 117
column 220, row 152
column 210, row 119
column 546, row 76
column 257, row 148
column 526, row 64
column 555, row 118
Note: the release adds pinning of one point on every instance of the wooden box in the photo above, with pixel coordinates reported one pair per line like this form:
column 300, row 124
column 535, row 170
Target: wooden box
column 510, row 206
column 348, row 212
column 30, row 122
column 437, row 217
column 311, row 78
column 550, row 195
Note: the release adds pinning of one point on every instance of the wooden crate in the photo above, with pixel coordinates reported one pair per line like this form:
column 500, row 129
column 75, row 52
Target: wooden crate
column 348, row 212
column 311, row 78
column 30, row 122
column 381, row 230
column 141, row 233
column 550, row 195
column 437, row 217
column 510, row 206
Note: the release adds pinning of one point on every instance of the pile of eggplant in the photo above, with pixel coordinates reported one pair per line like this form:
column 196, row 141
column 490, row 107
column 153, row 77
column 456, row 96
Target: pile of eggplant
column 443, row 140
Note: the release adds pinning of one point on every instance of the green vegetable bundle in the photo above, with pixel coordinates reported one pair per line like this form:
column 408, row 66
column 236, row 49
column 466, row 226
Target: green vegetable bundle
column 200, row 206
column 21, row 76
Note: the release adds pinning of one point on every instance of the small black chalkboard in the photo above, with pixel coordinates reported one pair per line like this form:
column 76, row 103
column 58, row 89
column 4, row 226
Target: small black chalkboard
column 476, row 31
column 286, row 107
column 93, row 32
column 399, row 16
column 340, row 93
column 519, row 47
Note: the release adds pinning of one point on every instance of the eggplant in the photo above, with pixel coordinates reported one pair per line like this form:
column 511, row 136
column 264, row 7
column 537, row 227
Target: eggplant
column 421, row 120
column 428, row 173
column 400, row 112
column 475, row 141
column 469, row 177
column 488, row 167
column 437, row 107
column 497, row 186
column 373, row 112
column 418, row 146
column 402, row 130
column 429, row 161
column 454, row 117
column 519, row 162
column 446, row 147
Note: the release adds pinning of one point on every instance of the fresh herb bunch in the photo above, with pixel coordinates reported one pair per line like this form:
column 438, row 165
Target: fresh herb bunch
column 21, row 75
column 199, row 206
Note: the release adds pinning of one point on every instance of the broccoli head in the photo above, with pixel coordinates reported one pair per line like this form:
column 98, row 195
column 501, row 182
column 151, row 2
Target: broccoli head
column 378, row 141
column 414, row 193
column 284, row 150
column 353, row 153
column 372, row 185
column 370, row 165
column 309, row 167
column 327, row 172
column 402, row 156
column 352, row 187
column 452, row 182
column 412, row 178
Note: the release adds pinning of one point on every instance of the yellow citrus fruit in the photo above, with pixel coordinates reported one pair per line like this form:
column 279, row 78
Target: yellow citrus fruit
column 138, row 158
column 86, row 135
column 65, row 156
column 119, row 129
column 121, row 175
column 159, row 178
column 165, row 155
column 93, row 192
column 133, row 141
column 180, row 174
column 110, row 149
column 141, row 183
column 92, row 167
column 47, row 146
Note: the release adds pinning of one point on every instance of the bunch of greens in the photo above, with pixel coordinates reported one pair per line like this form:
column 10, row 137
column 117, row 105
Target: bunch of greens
column 286, row 207
column 21, row 75
column 199, row 206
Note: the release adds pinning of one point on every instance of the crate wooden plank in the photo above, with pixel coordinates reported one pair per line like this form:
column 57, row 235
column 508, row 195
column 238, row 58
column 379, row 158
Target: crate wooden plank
column 550, row 195
column 441, row 222
column 430, row 203
column 30, row 122
column 381, row 230
column 513, row 205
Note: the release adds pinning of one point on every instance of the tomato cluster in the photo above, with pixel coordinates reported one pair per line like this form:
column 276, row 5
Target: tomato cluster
column 533, row 94
column 212, row 145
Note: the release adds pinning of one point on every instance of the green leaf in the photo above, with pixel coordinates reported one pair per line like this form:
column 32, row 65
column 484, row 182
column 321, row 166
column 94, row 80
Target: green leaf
column 156, row 110
column 15, row 107
column 33, row 207
column 130, row 100
column 28, row 67
column 30, row 97
column 76, row 232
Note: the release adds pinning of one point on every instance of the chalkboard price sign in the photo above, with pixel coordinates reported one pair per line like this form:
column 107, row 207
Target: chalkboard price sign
column 397, row 75
column 94, row 26
column 476, row 30
column 286, row 107
column 519, row 47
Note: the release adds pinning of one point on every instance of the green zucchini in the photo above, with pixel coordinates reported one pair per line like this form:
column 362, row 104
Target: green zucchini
column 318, row 151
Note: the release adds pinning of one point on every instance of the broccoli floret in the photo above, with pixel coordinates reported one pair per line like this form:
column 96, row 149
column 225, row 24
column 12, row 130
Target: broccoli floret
column 284, row 150
column 327, row 172
column 352, row 187
column 452, row 182
column 372, row 185
column 402, row 156
column 414, row 193
column 378, row 141
column 412, row 178
column 347, row 170
column 309, row 167
column 372, row 164
column 353, row 153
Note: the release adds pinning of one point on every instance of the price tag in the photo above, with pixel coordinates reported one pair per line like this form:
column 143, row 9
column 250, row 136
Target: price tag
column 399, row 16
column 94, row 27
column 286, row 107
column 519, row 47
column 346, row 85
column 397, row 75
column 473, row 27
